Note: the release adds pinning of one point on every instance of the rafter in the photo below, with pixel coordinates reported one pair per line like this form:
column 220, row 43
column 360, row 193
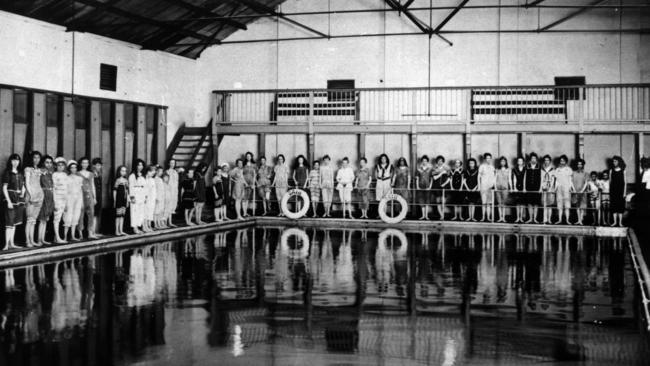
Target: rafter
column 450, row 16
column 259, row 7
column 139, row 18
column 402, row 8
column 204, row 12
column 572, row 15
column 533, row 3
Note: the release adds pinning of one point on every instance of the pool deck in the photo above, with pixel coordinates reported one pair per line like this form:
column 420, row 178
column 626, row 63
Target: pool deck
column 19, row 257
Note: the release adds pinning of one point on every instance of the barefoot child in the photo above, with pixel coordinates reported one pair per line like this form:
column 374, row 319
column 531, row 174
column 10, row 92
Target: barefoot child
column 362, row 184
column 594, row 197
column 13, row 192
column 74, row 202
column 60, row 189
column 187, row 196
column 159, row 211
column 120, row 199
column 217, row 190
column 313, row 185
column 150, row 202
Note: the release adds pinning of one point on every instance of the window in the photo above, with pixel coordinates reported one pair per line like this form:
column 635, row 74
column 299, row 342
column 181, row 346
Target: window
column 564, row 93
column 108, row 77
column 345, row 85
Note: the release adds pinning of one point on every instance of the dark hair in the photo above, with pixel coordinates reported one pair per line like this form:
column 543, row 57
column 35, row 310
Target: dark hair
column 44, row 159
column 137, row 162
column 472, row 160
column 593, row 173
column 315, row 162
column 201, row 168
column 580, row 160
column 566, row 158
column 238, row 160
column 278, row 158
column 503, row 158
column 547, row 157
column 424, row 157
column 522, row 159
column 346, row 159
column 117, row 171
column 96, row 161
column 383, row 156
column 31, row 158
column 262, row 157
column 82, row 159
column 327, row 157
column 621, row 162
column 304, row 161
column 363, row 158
column 152, row 168
column 486, row 155
column 400, row 161
column 531, row 155
column 167, row 165
column 440, row 157
column 246, row 157
column 15, row 157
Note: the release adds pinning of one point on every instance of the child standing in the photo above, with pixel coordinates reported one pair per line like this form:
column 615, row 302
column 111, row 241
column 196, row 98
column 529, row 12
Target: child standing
column 47, row 209
column 171, row 193
column 150, row 201
column 217, row 190
column 603, row 185
column 363, row 181
column 120, row 201
column 159, row 211
column 313, row 185
column 13, row 192
column 137, row 195
column 33, row 195
column 187, row 196
column 75, row 200
column 594, row 197
column 199, row 192
column 345, row 179
column 89, row 198
column 60, row 185
column 326, row 184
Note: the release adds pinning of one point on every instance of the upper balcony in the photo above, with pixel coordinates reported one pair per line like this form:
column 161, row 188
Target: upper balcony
column 590, row 108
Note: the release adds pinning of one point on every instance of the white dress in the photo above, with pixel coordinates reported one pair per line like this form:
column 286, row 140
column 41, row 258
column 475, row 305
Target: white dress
column 150, row 205
column 138, row 196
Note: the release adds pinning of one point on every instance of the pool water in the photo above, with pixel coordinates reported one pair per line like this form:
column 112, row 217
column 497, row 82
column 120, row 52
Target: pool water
column 274, row 296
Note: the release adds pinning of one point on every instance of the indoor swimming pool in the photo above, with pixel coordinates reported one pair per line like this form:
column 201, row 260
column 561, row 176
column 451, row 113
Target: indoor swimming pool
column 323, row 296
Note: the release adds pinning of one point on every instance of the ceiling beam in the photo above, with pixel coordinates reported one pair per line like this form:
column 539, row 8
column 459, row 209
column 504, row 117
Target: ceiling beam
column 213, row 36
column 533, row 3
column 259, row 7
column 408, row 3
column 205, row 12
column 572, row 15
column 451, row 15
column 139, row 18
column 402, row 8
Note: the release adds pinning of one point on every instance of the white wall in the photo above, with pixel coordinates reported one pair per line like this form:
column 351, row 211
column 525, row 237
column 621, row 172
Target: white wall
column 40, row 55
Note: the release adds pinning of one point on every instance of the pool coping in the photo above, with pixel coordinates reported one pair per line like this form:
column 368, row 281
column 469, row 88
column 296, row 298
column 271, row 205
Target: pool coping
column 26, row 256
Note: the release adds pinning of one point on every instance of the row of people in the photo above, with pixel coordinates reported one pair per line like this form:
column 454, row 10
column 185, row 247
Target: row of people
column 529, row 186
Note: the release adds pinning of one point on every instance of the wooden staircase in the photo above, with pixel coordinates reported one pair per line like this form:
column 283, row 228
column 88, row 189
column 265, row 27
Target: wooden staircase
column 192, row 146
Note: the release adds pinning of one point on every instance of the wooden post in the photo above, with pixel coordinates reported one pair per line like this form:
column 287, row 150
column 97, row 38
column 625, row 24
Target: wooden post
column 38, row 130
column 310, row 137
column 362, row 145
column 219, row 116
column 522, row 143
column 141, row 134
column 580, row 142
column 6, row 125
column 118, row 135
column 467, row 137
column 161, row 136
column 261, row 144
column 94, row 141
column 67, row 135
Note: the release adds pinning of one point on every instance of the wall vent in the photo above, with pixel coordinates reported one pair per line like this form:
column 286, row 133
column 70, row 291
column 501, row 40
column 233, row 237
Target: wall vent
column 108, row 77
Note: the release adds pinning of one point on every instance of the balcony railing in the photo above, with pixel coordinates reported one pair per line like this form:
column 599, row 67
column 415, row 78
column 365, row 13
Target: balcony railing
column 455, row 105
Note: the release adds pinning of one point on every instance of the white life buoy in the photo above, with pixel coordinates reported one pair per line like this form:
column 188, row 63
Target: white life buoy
column 303, row 251
column 383, row 241
column 382, row 208
column 284, row 204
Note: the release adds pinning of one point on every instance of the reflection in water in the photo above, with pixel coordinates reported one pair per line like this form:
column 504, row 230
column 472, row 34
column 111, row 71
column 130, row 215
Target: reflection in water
column 339, row 295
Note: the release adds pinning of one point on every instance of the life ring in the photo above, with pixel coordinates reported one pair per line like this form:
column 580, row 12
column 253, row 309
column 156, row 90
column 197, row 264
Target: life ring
column 284, row 204
column 382, row 208
column 303, row 252
column 383, row 240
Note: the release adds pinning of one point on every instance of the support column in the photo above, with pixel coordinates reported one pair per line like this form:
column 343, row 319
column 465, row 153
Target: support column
column 521, row 143
column 361, row 145
column 467, row 137
column 310, row 137
column 6, row 125
column 94, row 131
column 118, row 135
column 67, row 135
column 141, row 134
column 161, row 136
column 261, row 144
column 580, row 142
column 38, row 131
column 219, row 116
